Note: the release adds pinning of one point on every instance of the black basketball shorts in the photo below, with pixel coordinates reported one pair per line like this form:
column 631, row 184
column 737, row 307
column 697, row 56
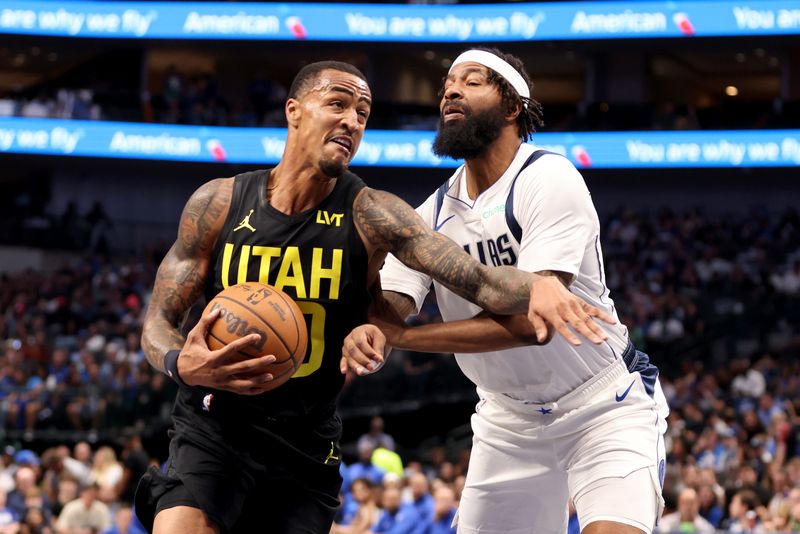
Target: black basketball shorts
column 276, row 488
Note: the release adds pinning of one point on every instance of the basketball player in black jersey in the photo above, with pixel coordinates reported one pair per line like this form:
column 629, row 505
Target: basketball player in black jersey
column 243, row 459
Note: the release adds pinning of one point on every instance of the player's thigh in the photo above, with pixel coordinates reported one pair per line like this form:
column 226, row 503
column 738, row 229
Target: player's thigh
column 515, row 507
column 620, row 505
column 289, row 508
column 611, row 439
column 182, row 519
column 513, row 483
column 616, row 460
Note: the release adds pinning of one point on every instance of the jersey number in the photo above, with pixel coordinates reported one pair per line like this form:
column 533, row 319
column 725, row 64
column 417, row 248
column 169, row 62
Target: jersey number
column 317, row 331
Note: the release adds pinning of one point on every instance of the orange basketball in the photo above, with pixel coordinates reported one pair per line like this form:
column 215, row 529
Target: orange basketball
column 254, row 308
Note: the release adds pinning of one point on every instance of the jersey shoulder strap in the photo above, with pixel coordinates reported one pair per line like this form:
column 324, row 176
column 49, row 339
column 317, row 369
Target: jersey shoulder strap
column 511, row 220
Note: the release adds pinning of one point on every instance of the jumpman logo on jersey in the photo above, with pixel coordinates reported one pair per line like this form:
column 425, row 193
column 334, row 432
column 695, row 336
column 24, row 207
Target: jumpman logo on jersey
column 545, row 411
column 245, row 223
column 331, row 455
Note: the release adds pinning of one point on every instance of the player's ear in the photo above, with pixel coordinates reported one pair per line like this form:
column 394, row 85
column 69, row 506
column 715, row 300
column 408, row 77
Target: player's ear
column 293, row 111
column 513, row 112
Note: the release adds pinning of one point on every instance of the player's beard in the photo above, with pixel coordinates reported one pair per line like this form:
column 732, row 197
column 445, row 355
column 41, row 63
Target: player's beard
column 469, row 137
column 332, row 168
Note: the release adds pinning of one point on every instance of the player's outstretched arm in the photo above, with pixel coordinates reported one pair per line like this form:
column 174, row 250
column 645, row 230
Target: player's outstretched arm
column 388, row 223
column 364, row 350
column 179, row 282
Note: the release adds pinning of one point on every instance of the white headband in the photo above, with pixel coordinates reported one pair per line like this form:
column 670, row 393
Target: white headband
column 497, row 64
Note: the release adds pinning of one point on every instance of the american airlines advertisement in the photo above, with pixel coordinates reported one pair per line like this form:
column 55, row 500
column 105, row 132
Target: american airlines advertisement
column 425, row 23
column 601, row 150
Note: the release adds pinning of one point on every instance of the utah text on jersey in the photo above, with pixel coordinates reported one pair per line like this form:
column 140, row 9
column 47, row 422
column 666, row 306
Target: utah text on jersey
column 305, row 277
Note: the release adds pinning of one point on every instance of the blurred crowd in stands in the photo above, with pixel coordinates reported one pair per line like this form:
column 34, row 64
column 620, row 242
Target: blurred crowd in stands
column 714, row 299
column 195, row 98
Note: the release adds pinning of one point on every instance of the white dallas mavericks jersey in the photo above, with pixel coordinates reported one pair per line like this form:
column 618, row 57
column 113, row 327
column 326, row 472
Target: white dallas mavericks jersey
column 538, row 216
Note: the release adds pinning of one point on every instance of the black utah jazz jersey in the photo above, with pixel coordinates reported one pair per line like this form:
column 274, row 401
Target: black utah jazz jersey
column 318, row 259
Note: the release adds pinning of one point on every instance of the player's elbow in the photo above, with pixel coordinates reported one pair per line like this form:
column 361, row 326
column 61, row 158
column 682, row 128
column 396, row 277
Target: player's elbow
column 528, row 337
column 524, row 332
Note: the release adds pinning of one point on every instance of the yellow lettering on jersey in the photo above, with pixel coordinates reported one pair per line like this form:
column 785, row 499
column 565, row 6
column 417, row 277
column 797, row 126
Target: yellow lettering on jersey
column 291, row 262
column 266, row 253
column 227, row 254
column 316, row 339
column 244, row 260
column 323, row 217
column 318, row 272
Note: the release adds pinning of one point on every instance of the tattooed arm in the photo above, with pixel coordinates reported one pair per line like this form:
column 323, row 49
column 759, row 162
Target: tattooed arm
column 391, row 225
column 180, row 280
column 184, row 271
column 388, row 224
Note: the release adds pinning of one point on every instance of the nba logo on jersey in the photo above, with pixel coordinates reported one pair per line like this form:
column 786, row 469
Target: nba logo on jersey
column 207, row 402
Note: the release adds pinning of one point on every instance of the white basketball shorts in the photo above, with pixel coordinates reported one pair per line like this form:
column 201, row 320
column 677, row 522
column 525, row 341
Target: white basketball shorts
column 602, row 445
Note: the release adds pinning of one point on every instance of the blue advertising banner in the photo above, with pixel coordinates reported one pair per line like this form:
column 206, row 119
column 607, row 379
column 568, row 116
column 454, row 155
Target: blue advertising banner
column 427, row 23
column 600, row 150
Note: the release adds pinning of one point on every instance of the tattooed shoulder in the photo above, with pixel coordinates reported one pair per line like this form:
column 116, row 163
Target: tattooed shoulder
column 204, row 215
column 385, row 219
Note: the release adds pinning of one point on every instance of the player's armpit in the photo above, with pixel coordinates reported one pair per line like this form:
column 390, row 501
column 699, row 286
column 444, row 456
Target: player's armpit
column 184, row 270
column 387, row 223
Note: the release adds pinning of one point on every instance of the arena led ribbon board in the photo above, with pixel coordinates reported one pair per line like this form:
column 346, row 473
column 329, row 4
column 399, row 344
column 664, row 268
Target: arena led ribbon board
column 384, row 148
column 401, row 23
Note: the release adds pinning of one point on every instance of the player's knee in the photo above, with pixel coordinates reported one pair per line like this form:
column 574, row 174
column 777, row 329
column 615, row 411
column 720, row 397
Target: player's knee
column 182, row 519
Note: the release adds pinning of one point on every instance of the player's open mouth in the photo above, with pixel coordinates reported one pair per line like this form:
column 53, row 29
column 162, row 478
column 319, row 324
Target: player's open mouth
column 452, row 113
column 343, row 141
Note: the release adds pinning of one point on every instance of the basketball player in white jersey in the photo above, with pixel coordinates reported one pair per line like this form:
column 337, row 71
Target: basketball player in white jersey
column 555, row 420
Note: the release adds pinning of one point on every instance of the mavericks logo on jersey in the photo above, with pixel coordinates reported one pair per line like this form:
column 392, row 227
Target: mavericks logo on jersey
column 493, row 251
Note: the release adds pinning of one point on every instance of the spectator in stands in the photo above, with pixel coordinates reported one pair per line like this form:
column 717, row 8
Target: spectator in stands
column 364, row 468
column 398, row 517
column 360, row 513
column 67, row 492
column 375, row 436
column 25, row 479
column 710, row 508
column 9, row 519
column 79, row 466
column 84, row 513
column 687, row 518
column 107, row 472
column 743, row 515
column 421, row 497
column 123, row 519
column 444, row 511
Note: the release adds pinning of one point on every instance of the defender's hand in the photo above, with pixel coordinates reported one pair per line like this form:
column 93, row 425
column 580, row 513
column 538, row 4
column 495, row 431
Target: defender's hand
column 226, row 368
column 552, row 303
column 363, row 350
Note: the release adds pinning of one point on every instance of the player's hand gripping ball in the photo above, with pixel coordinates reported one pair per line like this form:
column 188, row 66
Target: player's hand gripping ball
column 254, row 308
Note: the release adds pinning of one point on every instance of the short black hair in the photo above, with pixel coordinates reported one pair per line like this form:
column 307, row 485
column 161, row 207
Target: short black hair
column 308, row 75
column 531, row 114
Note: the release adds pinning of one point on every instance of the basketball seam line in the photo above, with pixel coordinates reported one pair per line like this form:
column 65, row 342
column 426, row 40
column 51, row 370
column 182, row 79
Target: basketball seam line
column 245, row 353
column 297, row 326
column 280, row 338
